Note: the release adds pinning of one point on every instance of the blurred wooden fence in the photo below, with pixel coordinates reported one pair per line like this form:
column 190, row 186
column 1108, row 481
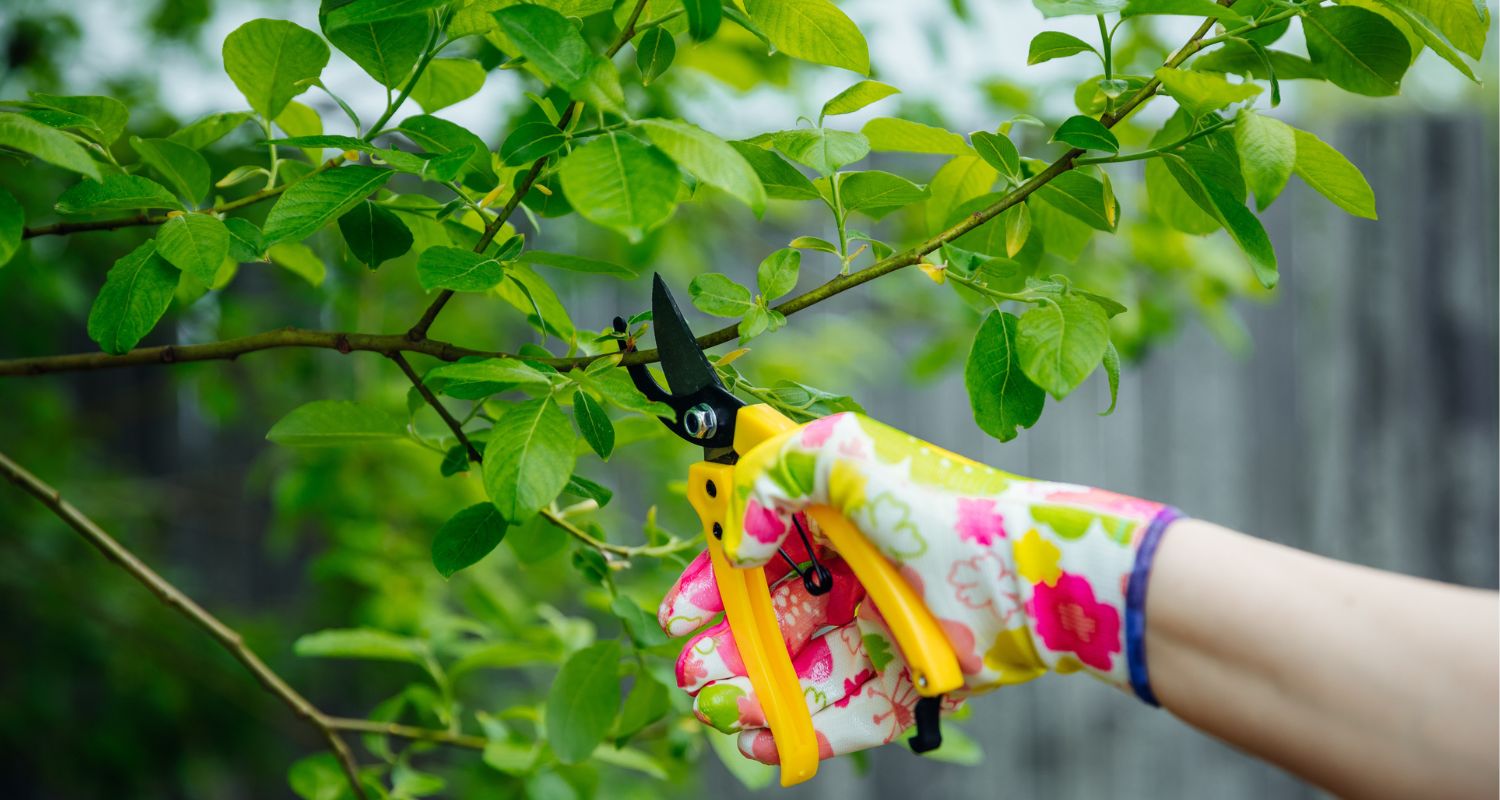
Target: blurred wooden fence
column 1362, row 426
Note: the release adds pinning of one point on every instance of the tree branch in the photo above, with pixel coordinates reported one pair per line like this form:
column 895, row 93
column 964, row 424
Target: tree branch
column 418, row 331
column 442, row 411
column 415, row 340
column 227, row 637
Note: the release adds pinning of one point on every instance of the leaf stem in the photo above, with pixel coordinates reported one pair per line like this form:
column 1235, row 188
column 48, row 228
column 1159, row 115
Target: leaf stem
column 428, row 53
column 228, row 638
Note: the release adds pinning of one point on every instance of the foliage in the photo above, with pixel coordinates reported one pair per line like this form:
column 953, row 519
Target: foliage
column 1022, row 221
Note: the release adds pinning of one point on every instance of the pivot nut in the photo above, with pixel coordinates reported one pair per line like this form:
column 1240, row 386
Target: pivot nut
column 700, row 421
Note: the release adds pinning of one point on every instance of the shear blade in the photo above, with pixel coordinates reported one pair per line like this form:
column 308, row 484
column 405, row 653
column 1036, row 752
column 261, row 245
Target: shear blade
column 686, row 368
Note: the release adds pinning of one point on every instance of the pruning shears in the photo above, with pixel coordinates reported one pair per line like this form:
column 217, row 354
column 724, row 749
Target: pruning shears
column 707, row 414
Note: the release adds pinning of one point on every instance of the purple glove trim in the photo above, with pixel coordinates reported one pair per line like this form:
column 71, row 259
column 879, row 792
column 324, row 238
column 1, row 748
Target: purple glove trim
column 1135, row 604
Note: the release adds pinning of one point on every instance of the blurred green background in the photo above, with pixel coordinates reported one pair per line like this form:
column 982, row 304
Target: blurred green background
column 1352, row 412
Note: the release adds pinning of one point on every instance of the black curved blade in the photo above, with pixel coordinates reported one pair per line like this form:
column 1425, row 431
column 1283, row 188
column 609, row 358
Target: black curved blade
column 686, row 368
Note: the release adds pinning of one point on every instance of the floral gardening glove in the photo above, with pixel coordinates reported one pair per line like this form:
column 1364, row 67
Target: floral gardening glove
column 1024, row 576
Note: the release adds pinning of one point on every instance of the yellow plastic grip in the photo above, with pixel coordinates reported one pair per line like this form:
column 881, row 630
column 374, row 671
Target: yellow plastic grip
column 929, row 655
column 752, row 619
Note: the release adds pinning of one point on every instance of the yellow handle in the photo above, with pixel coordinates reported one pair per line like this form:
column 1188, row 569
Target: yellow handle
column 752, row 619
column 929, row 655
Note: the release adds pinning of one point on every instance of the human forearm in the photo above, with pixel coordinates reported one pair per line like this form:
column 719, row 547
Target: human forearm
column 1363, row 682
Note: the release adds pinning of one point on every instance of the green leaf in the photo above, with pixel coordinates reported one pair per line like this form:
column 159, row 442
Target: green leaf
column 1201, row 92
column 1465, row 23
column 1430, row 37
column 1111, row 363
column 822, row 149
column 447, row 81
column 115, row 193
column 757, row 320
column 1333, row 176
column 47, row 143
column 1185, row 8
column 1088, row 133
column 814, row 243
column 720, row 296
column 620, row 183
column 956, row 182
column 594, row 424
column 363, row 12
column 1268, row 152
column 804, row 402
column 1000, row 394
column 182, row 167
column 245, row 241
column 877, row 193
column 857, row 96
column 374, row 234
column 703, row 18
column 365, row 644
column 472, row 380
column 194, row 243
column 640, row 626
column 559, row 52
column 615, row 385
column 106, row 114
column 336, row 422
column 136, row 293
column 531, row 295
column 317, row 777
column 530, row 142
column 209, row 129
column 272, row 61
column 1242, row 225
column 812, row 30
column 1068, row 8
column 458, row 269
column 654, row 53
column 300, row 260
column 528, row 458
column 777, row 273
column 708, row 158
column 467, row 537
column 12, row 226
column 1083, row 197
column 310, row 204
column 583, row 700
column 779, row 179
column 1357, row 50
column 998, row 151
column 574, row 263
column 889, row 134
column 648, row 701
column 385, row 49
column 582, row 487
column 1017, row 222
column 1059, row 342
column 437, row 135
column 1241, row 58
column 1048, row 45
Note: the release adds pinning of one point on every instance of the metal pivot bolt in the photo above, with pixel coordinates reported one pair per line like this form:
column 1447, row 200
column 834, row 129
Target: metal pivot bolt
column 700, row 421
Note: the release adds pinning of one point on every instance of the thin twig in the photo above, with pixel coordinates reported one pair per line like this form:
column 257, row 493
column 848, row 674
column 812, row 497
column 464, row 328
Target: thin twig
column 227, row 637
column 65, row 228
column 411, row 732
column 442, row 411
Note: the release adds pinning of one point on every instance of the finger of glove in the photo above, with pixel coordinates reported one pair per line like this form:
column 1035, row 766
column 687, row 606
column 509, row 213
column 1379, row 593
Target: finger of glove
column 831, row 668
column 712, row 655
column 876, row 712
column 694, row 598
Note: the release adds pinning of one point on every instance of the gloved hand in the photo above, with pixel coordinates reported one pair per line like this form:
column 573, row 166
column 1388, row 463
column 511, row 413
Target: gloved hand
column 1024, row 576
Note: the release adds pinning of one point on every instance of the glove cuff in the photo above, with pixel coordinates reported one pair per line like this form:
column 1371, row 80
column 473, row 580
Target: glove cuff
column 1135, row 604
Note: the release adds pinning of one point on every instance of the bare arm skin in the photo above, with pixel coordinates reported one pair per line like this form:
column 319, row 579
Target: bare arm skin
column 1365, row 683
